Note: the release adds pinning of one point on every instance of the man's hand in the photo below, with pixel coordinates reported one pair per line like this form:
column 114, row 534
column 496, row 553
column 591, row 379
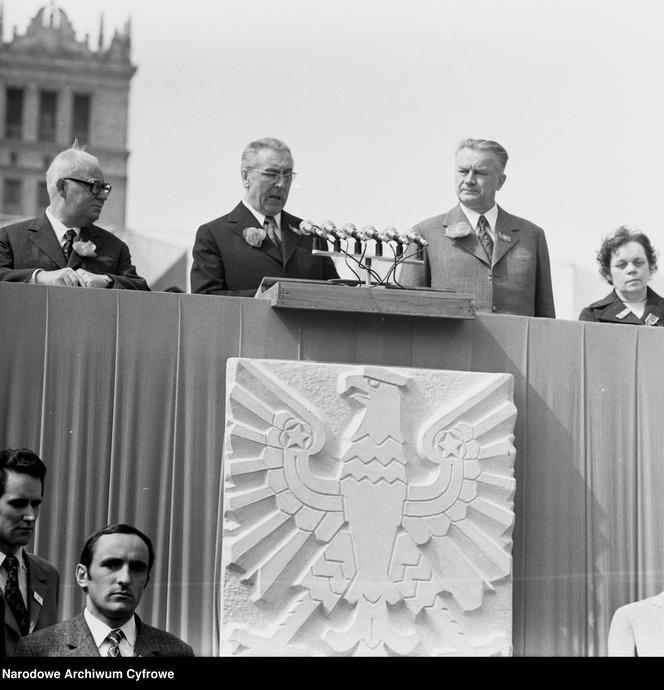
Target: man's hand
column 61, row 276
column 91, row 279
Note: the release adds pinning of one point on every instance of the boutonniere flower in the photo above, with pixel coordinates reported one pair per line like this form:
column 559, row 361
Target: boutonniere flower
column 84, row 249
column 254, row 236
column 459, row 229
column 651, row 320
column 504, row 238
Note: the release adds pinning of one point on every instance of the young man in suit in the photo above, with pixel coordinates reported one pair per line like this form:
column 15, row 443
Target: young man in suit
column 479, row 248
column 28, row 584
column 113, row 571
column 63, row 246
column 233, row 253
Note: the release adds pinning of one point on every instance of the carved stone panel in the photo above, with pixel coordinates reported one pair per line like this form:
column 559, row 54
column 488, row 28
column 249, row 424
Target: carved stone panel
column 368, row 510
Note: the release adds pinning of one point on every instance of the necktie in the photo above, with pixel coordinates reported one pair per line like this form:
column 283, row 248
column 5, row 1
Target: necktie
column 114, row 638
column 69, row 241
column 13, row 595
column 484, row 237
column 270, row 226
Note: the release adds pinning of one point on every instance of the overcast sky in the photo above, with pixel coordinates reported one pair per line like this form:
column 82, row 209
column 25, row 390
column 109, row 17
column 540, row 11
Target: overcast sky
column 372, row 97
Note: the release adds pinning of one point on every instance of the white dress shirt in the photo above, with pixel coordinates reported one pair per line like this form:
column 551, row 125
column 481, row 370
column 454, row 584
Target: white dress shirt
column 100, row 630
column 261, row 217
column 473, row 218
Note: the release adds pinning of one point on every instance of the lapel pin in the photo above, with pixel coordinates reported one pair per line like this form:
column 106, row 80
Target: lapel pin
column 651, row 320
column 504, row 238
column 38, row 599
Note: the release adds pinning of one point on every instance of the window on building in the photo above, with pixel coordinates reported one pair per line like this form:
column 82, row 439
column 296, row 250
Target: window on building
column 14, row 114
column 48, row 108
column 42, row 196
column 12, row 197
column 81, row 118
column 13, row 159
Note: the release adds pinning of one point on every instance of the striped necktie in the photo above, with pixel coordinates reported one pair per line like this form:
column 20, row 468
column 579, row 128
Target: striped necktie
column 69, row 241
column 484, row 237
column 270, row 226
column 114, row 637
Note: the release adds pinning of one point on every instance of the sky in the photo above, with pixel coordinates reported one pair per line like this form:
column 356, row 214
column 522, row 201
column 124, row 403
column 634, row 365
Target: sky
column 372, row 97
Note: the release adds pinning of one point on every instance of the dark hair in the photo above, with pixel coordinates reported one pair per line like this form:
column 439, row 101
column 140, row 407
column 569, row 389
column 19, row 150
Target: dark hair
column 612, row 243
column 21, row 460
column 118, row 528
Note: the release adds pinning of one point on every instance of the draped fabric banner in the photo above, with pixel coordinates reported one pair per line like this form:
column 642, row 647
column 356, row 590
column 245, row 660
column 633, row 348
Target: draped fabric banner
column 122, row 395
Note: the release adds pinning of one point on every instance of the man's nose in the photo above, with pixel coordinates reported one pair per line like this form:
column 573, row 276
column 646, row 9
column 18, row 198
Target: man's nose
column 30, row 514
column 123, row 574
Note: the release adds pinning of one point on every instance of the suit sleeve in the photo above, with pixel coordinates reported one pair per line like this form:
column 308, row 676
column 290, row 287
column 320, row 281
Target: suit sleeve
column 329, row 269
column 621, row 635
column 126, row 278
column 544, row 291
column 7, row 271
column 207, row 271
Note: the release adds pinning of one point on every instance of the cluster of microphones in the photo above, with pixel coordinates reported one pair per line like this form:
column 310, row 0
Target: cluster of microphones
column 329, row 232
column 352, row 243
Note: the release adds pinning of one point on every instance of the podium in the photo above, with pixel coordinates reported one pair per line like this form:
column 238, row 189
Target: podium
column 348, row 296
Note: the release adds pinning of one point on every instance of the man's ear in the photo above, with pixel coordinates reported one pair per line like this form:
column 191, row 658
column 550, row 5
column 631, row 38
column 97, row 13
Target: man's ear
column 245, row 177
column 60, row 185
column 82, row 576
column 501, row 180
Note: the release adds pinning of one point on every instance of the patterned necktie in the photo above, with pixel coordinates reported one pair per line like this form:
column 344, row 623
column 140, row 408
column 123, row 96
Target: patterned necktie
column 13, row 595
column 270, row 226
column 69, row 241
column 114, row 638
column 485, row 237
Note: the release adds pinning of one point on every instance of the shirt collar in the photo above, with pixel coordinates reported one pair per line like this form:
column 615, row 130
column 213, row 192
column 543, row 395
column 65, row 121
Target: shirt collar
column 473, row 217
column 59, row 227
column 261, row 216
column 100, row 630
column 18, row 554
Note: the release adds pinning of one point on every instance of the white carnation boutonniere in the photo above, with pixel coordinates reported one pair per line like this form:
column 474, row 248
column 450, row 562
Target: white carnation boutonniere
column 254, row 236
column 85, row 249
column 457, row 230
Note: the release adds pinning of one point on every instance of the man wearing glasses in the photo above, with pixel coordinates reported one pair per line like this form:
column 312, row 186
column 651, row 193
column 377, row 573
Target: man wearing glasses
column 63, row 246
column 233, row 254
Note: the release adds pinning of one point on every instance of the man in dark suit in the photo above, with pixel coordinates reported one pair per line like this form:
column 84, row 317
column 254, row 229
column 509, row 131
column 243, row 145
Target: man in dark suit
column 113, row 571
column 63, row 246
column 233, row 254
column 29, row 584
column 479, row 248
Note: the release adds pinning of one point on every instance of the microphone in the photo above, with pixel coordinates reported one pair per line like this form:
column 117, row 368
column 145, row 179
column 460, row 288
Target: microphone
column 306, row 227
column 351, row 231
column 417, row 239
column 370, row 232
column 334, row 233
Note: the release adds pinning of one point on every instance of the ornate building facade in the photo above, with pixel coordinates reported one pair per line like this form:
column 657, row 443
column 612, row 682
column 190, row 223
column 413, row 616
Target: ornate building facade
column 55, row 89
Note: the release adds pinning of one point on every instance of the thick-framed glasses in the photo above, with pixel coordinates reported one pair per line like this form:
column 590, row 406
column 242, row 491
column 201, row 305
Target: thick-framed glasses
column 274, row 176
column 96, row 186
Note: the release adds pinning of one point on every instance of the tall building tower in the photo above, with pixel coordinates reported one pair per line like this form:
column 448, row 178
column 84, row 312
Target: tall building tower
column 55, row 89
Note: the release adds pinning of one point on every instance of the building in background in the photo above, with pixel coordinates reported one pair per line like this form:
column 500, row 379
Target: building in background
column 55, row 89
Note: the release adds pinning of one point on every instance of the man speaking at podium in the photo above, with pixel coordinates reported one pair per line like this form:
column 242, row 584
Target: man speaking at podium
column 479, row 248
column 232, row 254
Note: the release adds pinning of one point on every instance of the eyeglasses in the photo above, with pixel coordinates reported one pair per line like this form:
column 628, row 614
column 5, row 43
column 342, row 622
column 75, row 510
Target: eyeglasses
column 274, row 176
column 96, row 186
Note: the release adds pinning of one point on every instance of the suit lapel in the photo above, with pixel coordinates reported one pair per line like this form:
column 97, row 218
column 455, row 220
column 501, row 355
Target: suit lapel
column 469, row 242
column 289, row 238
column 653, row 316
column 37, row 590
column 507, row 236
column 616, row 311
column 243, row 218
column 43, row 237
column 79, row 638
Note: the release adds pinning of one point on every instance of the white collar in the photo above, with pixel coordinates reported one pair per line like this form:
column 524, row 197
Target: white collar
column 18, row 554
column 261, row 216
column 100, row 630
column 473, row 218
column 59, row 227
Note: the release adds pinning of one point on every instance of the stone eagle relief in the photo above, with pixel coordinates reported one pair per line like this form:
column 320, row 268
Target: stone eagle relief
column 368, row 510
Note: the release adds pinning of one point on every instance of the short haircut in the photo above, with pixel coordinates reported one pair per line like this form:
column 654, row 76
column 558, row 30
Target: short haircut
column 613, row 242
column 65, row 164
column 88, row 551
column 23, row 461
column 255, row 147
column 485, row 145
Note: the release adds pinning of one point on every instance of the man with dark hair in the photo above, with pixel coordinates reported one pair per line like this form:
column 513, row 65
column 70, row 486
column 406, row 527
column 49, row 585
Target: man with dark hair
column 63, row 246
column 232, row 254
column 28, row 584
column 113, row 571
column 479, row 248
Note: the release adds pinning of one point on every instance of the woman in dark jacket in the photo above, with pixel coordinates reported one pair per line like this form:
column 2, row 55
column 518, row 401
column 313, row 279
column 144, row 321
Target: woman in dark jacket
column 627, row 261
